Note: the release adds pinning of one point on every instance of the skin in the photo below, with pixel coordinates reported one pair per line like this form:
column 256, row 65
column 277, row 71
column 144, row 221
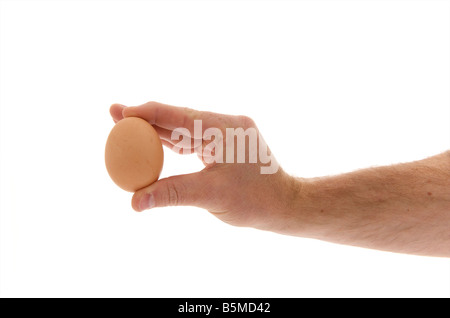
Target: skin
column 402, row 208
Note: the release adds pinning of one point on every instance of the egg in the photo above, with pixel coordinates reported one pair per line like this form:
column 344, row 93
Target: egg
column 133, row 154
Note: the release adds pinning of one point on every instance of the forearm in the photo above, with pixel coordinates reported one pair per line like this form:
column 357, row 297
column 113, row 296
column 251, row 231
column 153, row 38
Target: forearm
column 401, row 208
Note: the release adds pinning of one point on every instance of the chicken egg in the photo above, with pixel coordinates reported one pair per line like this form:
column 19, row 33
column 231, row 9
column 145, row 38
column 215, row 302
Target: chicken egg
column 133, row 154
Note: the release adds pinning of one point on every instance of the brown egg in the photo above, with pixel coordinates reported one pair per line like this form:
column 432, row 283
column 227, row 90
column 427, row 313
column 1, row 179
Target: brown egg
column 133, row 154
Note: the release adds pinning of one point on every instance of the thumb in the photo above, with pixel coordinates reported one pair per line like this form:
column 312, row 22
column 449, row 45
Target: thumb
column 188, row 189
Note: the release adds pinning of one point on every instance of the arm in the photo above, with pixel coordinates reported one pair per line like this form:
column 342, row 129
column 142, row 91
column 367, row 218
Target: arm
column 401, row 208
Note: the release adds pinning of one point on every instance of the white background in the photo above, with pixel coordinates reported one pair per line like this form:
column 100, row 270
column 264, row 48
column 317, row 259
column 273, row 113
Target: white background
column 334, row 86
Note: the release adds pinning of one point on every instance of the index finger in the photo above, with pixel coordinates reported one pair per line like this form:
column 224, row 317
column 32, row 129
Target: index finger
column 172, row 117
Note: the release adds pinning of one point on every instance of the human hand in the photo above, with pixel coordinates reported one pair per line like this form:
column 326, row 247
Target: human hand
column 254, row 193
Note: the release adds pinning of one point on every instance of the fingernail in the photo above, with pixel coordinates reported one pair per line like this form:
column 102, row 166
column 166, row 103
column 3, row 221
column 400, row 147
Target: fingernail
column 147, row 202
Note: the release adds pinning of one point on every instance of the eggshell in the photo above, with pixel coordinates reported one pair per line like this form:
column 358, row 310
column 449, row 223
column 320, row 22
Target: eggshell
column 133, row 154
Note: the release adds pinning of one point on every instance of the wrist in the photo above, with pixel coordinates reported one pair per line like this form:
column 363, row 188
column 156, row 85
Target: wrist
column 298, row 206
column 310, row 213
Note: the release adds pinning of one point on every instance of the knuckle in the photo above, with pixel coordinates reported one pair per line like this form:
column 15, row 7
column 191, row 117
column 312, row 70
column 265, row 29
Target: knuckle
column 187, row 118
column 246, row 121
column 173, row 194
column 152, row 104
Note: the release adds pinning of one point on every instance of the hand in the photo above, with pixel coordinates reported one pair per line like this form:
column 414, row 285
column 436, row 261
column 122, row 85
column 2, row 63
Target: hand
column 255, row 193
